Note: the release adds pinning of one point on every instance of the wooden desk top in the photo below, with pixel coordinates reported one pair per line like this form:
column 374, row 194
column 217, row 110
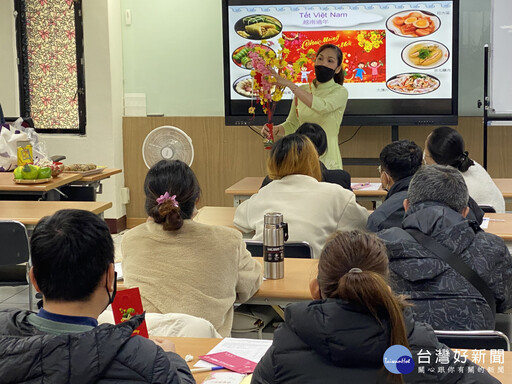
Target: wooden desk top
column 30, row 212
column 216, row 216
column 505, row 186
column 500, row 228
column 107, row 172
column 248, row 186
column 200, row 346
column 7, row 183
column 295, row 285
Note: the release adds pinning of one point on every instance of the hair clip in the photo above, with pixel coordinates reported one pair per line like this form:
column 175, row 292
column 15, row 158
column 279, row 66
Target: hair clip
column 166, row 197
column 356, row 270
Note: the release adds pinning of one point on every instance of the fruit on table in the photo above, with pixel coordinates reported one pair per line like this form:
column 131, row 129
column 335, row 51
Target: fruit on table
column 29, row 171
column 17, row 173
column 44, row 173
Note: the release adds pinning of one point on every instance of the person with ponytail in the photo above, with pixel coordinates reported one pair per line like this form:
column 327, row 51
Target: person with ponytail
column 445, row 146
column 342, row 335
column 180, row 265
column 322, row 102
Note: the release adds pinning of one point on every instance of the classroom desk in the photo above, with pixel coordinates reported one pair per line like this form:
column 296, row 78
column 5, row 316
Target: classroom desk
column 9, row 187
column 89, row 186
column 293, row 287
column 500, row 224
column 505, row 186
column 30, row 212
column 248, row 186
column 200, row 346
column 222, row 216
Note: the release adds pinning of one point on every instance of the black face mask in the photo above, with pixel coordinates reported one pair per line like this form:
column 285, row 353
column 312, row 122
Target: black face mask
column 323, row 73
column 111, row 297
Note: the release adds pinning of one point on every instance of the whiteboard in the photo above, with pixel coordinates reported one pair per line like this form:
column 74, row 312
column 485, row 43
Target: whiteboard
column 501, row 57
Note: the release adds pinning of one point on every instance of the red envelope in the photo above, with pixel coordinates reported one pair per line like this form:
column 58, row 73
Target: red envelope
column 229, row 361
column 127, row 304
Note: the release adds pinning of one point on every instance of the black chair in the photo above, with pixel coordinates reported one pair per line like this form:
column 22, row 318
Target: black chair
column 15, row 253
column 292, row 249
column 485, row 339
column 487, row 208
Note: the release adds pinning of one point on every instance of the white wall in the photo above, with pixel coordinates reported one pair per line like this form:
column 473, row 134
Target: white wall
column 102, row 143
column 9, row 94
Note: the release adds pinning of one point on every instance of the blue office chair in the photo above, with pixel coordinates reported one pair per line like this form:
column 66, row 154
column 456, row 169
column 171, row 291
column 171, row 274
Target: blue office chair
column 15, row 256
column 292, row 249
column 484, row 339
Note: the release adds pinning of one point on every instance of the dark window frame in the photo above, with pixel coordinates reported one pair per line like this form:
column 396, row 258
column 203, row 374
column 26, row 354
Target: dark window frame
column 23, row 75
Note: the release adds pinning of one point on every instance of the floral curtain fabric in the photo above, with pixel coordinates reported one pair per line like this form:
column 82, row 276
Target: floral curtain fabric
column 52, row 63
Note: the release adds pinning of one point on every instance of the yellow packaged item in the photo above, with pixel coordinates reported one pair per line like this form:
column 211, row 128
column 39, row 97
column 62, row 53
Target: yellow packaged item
column 24, row 152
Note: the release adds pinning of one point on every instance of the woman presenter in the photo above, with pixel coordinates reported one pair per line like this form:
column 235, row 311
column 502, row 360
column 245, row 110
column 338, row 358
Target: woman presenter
column 322, row 102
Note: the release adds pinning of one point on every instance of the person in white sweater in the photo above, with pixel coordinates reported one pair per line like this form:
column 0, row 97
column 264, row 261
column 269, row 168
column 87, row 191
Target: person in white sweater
column 182, row 266
column 445, row 146
column 312, row 209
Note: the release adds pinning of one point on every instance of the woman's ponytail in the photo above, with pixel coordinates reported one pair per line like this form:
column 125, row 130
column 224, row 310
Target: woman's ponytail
column 353, row 266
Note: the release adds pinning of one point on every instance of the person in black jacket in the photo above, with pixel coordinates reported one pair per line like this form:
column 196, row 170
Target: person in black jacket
column 317, row 135
column 72, row 254
column 436, row 206
column 399, row 161
column 343, row 335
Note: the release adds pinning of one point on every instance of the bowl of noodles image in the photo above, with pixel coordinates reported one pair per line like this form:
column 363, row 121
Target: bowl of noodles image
column 413, row 23
column 413, row 83
column 426, row 54
column 258, row 27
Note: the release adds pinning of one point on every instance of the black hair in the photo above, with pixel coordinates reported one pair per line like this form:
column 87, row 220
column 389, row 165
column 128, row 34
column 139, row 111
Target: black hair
column 70, row 252
column 177, row 179
column 338, row 77
column 401, row 159
column 316, row 134
column 446, row 147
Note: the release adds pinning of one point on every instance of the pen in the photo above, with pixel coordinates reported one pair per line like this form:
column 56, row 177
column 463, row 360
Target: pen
column 206, row 369
column 496, row 219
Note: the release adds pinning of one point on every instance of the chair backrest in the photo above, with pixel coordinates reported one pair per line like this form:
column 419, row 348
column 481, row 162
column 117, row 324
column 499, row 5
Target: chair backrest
column 14, row 243
column 484, row 339
column 487, row 208
column 292, row 249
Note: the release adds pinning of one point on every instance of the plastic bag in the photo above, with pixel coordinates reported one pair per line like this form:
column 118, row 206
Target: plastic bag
column 9, row 135
column 8, row 147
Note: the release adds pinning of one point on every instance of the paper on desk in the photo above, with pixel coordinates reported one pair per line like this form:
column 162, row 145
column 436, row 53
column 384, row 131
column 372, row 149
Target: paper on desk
column 365, row 186
column 485, row 223
column 119, row 271
column 251, row 349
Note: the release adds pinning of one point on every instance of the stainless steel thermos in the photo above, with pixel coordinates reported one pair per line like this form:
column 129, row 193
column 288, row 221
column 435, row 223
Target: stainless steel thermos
column 275, row 233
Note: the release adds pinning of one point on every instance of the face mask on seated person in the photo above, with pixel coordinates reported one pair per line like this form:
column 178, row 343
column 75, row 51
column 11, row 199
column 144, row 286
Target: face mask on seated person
column 323, row 74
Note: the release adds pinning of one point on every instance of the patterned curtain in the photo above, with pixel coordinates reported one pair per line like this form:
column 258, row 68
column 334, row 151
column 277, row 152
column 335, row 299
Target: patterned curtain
column 50, row 66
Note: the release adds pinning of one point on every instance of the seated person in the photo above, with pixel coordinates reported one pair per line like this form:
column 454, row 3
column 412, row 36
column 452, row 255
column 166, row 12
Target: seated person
column 183, row 266
column 317, row 135
column 313, row 210
column 399, row 161
column 445, row 146
column 72, row 254
column 436, row 205
column 342, row 336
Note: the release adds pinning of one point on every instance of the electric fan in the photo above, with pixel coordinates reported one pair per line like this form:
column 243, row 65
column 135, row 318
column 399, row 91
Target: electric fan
column 167, row 143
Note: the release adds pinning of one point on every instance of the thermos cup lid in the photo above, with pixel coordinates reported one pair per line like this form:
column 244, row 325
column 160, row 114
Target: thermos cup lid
column 273, row 218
